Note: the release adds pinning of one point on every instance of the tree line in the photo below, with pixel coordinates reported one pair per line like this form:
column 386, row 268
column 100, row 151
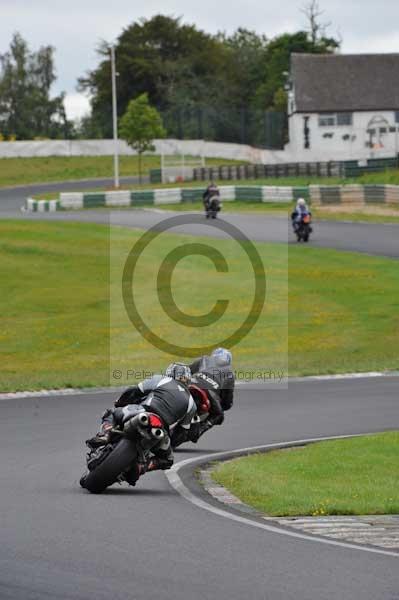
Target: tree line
column 211, row 86
column 27, row 109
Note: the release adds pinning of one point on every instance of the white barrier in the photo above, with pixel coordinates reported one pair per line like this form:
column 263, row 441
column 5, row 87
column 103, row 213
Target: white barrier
column 167, row 196
column 120, row 198
column 240, row 152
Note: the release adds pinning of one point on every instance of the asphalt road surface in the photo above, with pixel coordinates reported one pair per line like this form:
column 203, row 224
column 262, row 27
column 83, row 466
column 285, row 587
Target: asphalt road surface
column 60, row 543
column 371, row 238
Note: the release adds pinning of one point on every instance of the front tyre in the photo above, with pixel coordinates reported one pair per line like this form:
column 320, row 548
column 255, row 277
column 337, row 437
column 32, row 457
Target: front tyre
column 108, row 471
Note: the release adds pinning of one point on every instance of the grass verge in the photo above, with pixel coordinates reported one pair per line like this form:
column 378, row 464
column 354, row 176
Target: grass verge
column 388, row 213
column 22, row 171
column 356, row 476
column 57, row 289
column 385, row 214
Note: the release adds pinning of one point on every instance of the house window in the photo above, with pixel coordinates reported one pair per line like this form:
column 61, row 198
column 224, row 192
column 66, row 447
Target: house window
column 396, row 116
column 333, row 119
column 327, row 120
column 344, row 118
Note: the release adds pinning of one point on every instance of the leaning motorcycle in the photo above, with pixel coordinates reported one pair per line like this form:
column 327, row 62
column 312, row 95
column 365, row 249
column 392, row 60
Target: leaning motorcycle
column 178, row 436
column 128, row 453
column 213, row 206
column 304, row 228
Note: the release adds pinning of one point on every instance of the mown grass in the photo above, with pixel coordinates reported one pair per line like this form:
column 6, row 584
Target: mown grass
column 22, row 171
column 285, row 208
column 276, row 209
column 360, row 216
column 356, row 476
column 58, row 286
column 384, row 213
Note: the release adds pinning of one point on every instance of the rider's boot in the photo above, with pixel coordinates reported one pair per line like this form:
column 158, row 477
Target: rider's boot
column 101, row 438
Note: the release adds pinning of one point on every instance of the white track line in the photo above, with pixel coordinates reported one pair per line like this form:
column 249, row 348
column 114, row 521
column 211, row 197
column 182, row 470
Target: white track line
column 110, row 390
column 177, row 483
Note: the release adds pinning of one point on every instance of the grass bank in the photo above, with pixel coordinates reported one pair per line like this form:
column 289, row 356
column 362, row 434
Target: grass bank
column 368, row 214
column 342, row 308
column 22, row 171
column 357, row 476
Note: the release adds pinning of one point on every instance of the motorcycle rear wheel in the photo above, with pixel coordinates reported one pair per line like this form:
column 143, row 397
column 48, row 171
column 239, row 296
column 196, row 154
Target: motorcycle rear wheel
column 108, row 471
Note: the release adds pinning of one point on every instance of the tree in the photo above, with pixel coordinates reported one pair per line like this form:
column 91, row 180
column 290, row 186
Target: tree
column 211, row 87
column 246, row 51
column 277, row 62
column 174, row 63
column 317, row 30
column 26, row 107
column 140, row 125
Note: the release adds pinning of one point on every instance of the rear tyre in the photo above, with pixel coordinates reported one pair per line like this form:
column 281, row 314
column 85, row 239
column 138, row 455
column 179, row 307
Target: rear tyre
column 108, row 471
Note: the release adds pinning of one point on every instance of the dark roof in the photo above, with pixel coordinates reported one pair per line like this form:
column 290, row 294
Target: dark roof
column 345, row 82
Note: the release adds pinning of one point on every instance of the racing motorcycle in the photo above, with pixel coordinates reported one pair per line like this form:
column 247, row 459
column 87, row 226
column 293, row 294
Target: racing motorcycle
column 128, row 453
column 304, row 228
column 200, row 397
column 213, row 206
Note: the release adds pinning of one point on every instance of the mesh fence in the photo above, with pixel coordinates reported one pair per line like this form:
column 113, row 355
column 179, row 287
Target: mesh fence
column 253, row 127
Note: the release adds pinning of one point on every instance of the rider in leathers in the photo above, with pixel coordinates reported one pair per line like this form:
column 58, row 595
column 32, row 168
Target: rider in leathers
column 211, row 191
column 301, row 209
column 214, row 375
column 164, row 395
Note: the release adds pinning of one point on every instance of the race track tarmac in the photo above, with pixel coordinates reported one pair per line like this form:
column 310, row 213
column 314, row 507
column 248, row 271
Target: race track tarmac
column 370, row 238
column 60, row 543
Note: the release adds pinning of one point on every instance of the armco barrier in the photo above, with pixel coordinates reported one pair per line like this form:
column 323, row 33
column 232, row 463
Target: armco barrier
column 42, row 205
column 228, row 193
column 357, row 195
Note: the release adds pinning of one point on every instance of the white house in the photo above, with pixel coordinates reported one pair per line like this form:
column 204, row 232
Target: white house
column 343, row 107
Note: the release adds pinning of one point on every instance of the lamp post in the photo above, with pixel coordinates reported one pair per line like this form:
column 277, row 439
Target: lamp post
column 114, row 119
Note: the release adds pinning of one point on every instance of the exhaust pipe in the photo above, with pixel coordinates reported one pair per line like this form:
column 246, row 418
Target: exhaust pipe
column 143, row 419
column 158, row 433
column 140, row 420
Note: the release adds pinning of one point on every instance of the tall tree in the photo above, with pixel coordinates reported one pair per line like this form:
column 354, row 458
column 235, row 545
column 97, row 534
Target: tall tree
column 173, row 63
column 210, row 87
column 27, row 109
column 246, row 51
column 277, row 63
column 317, row 29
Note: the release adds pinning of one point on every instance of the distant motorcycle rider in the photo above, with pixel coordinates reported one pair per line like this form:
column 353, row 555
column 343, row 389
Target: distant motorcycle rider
column 214, row 376
column 167, row 396
column 300, row 211
column 211, row 191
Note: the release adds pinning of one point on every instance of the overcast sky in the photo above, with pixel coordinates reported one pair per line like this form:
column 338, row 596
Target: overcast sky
column 74, row 27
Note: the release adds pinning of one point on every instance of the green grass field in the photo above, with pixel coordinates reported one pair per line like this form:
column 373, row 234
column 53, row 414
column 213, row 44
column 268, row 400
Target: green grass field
column 357, row 476
column 21, row 171
column 283, row 209
column 56, row 293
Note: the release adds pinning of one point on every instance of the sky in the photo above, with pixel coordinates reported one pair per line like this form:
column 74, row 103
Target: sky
column 75, row 27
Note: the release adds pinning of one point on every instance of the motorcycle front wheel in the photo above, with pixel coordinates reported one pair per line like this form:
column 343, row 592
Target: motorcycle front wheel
column 108, row 471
